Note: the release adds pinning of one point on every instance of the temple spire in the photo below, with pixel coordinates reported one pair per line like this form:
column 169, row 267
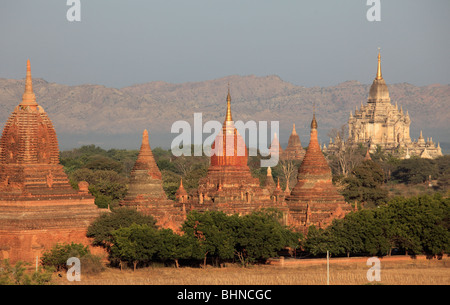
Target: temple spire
column 228, row 117
column 293, row 129
column 145, row 140
column 28, row 97
column 314, row 122
column 379, row 66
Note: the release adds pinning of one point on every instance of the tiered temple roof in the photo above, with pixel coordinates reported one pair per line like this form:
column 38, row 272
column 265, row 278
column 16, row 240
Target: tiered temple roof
column 146, row 193
column 314, row 200
column 229, row 185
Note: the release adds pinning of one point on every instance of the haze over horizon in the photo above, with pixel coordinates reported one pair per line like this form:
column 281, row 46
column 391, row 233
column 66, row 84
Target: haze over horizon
column 308, row 43
column 324, row 43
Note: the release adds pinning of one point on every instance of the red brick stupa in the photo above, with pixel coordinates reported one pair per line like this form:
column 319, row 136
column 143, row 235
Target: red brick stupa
column 38, row 206
column 146, row 193
column 315, row 200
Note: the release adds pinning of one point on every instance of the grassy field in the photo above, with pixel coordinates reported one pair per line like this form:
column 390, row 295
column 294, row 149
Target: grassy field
column 402, row 271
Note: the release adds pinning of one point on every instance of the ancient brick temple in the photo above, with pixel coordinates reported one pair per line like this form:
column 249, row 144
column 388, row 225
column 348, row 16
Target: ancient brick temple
column 38, row 206
column 229, row 185
column 294, row 149
column 146, row 193
column 380, row 123
column 314, row 200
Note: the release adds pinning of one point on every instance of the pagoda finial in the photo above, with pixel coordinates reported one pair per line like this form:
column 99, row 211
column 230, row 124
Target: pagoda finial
column 145, row 137
column 181, row 184
column 314, row 122
column 379, row 65
column 293, row 129
column 287, row 190
column 228, row 117
column 28, row 97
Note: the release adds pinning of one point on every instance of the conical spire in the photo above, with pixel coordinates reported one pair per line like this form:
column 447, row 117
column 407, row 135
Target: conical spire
column 293, row 129
column 314, row 122
column 379, row 91
column 145, row 159
column 287, row 190
column 314, row 162
column 28, row 97
column 181, row 190
column 379, row 76
column 228, row 117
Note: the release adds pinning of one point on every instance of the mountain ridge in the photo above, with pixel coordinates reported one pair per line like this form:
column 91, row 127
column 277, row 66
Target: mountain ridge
column 90, row 108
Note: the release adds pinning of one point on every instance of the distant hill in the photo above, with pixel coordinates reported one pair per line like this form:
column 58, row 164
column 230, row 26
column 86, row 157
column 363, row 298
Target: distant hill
column 86, row 113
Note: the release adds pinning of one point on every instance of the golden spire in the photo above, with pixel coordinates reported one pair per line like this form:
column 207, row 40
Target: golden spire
column 228, row 117
column 28, row 97
column 314, row 122
column 379, row 66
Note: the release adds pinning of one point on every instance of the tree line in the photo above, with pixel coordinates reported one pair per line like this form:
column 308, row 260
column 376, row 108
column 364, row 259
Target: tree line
column 415, row 225
column 131, row 238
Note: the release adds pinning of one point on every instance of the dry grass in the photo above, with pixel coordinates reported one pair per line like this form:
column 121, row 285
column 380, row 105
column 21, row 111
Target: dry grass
column 401, row 272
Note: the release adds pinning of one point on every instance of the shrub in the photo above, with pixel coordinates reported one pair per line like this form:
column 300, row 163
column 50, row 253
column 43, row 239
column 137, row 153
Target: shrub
column 17, row 275
column 60, row 253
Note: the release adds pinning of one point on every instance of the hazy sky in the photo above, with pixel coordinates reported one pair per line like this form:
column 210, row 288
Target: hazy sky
column 309, row 43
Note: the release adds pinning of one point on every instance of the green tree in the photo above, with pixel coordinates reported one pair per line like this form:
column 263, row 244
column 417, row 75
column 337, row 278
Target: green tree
column 318, row 241
column 421, row 223
column 175, row 247
column 107, row 186
column 364, row 184
column 101, row 229
column 415, row 170
column 58, row 255
column 99, row 162
column 213, row 231
column 135, row 244
column 260, row 236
